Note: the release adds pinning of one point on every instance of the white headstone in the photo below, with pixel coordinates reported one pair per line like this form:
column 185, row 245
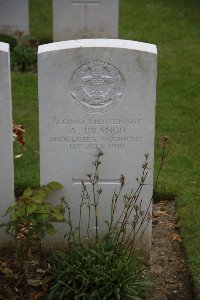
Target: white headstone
column 97, row 94
column 75, row 19
column 6, row 143
column 14, row 17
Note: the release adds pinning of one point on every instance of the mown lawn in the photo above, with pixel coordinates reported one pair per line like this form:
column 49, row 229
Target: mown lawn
column 175, row 28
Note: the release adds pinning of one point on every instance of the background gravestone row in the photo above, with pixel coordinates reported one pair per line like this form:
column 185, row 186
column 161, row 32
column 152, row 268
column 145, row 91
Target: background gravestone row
column 72, row 19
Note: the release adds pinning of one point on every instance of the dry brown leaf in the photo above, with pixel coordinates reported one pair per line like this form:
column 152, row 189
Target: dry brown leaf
column 164, row 202
column 34, row 282
column 177, row 226
column 176, row 237
column 38, row 295
column 163, row 213
column 7, row 272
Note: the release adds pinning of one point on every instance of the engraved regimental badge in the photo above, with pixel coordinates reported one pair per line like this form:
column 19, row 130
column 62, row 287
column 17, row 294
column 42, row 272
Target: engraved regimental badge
column 97, row 87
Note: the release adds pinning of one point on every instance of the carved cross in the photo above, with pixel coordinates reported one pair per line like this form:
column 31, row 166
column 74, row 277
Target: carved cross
column 103, row 181
column 85, row 4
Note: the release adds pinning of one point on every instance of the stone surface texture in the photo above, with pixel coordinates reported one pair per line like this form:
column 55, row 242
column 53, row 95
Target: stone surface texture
column 6, row 148
column 14, row 16
column 97, row 94
column 75, row 19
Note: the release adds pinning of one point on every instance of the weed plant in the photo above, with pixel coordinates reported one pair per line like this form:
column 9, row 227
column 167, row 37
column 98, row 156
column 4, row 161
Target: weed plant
column 23, row 58
column 23, row 51
column 107, row 267
column 96, row 272
column 31, row 219
column 5, row 38
column 123, row 228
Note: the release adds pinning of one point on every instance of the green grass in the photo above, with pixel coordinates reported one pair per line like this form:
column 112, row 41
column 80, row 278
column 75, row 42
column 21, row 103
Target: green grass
column 25, row 112
column 41, row 19
column 175, row 28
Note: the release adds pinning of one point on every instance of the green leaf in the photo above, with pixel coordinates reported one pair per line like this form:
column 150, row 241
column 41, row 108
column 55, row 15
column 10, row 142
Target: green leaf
column 32, row 219
column 28, row 192
column 50, row 229
column 21, row 211
column 47, row 189
column 57, row 217
column 55, row 185
column 31, row 209
column 58, row 209
column 39, row 198
column 42, row 194
column 43, row 217
column 117, row 296
column 40, row 232
column 43, row 209
column 11, row 209
column 13, row 218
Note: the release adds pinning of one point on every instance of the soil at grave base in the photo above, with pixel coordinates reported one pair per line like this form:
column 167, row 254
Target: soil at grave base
column 169, row 272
